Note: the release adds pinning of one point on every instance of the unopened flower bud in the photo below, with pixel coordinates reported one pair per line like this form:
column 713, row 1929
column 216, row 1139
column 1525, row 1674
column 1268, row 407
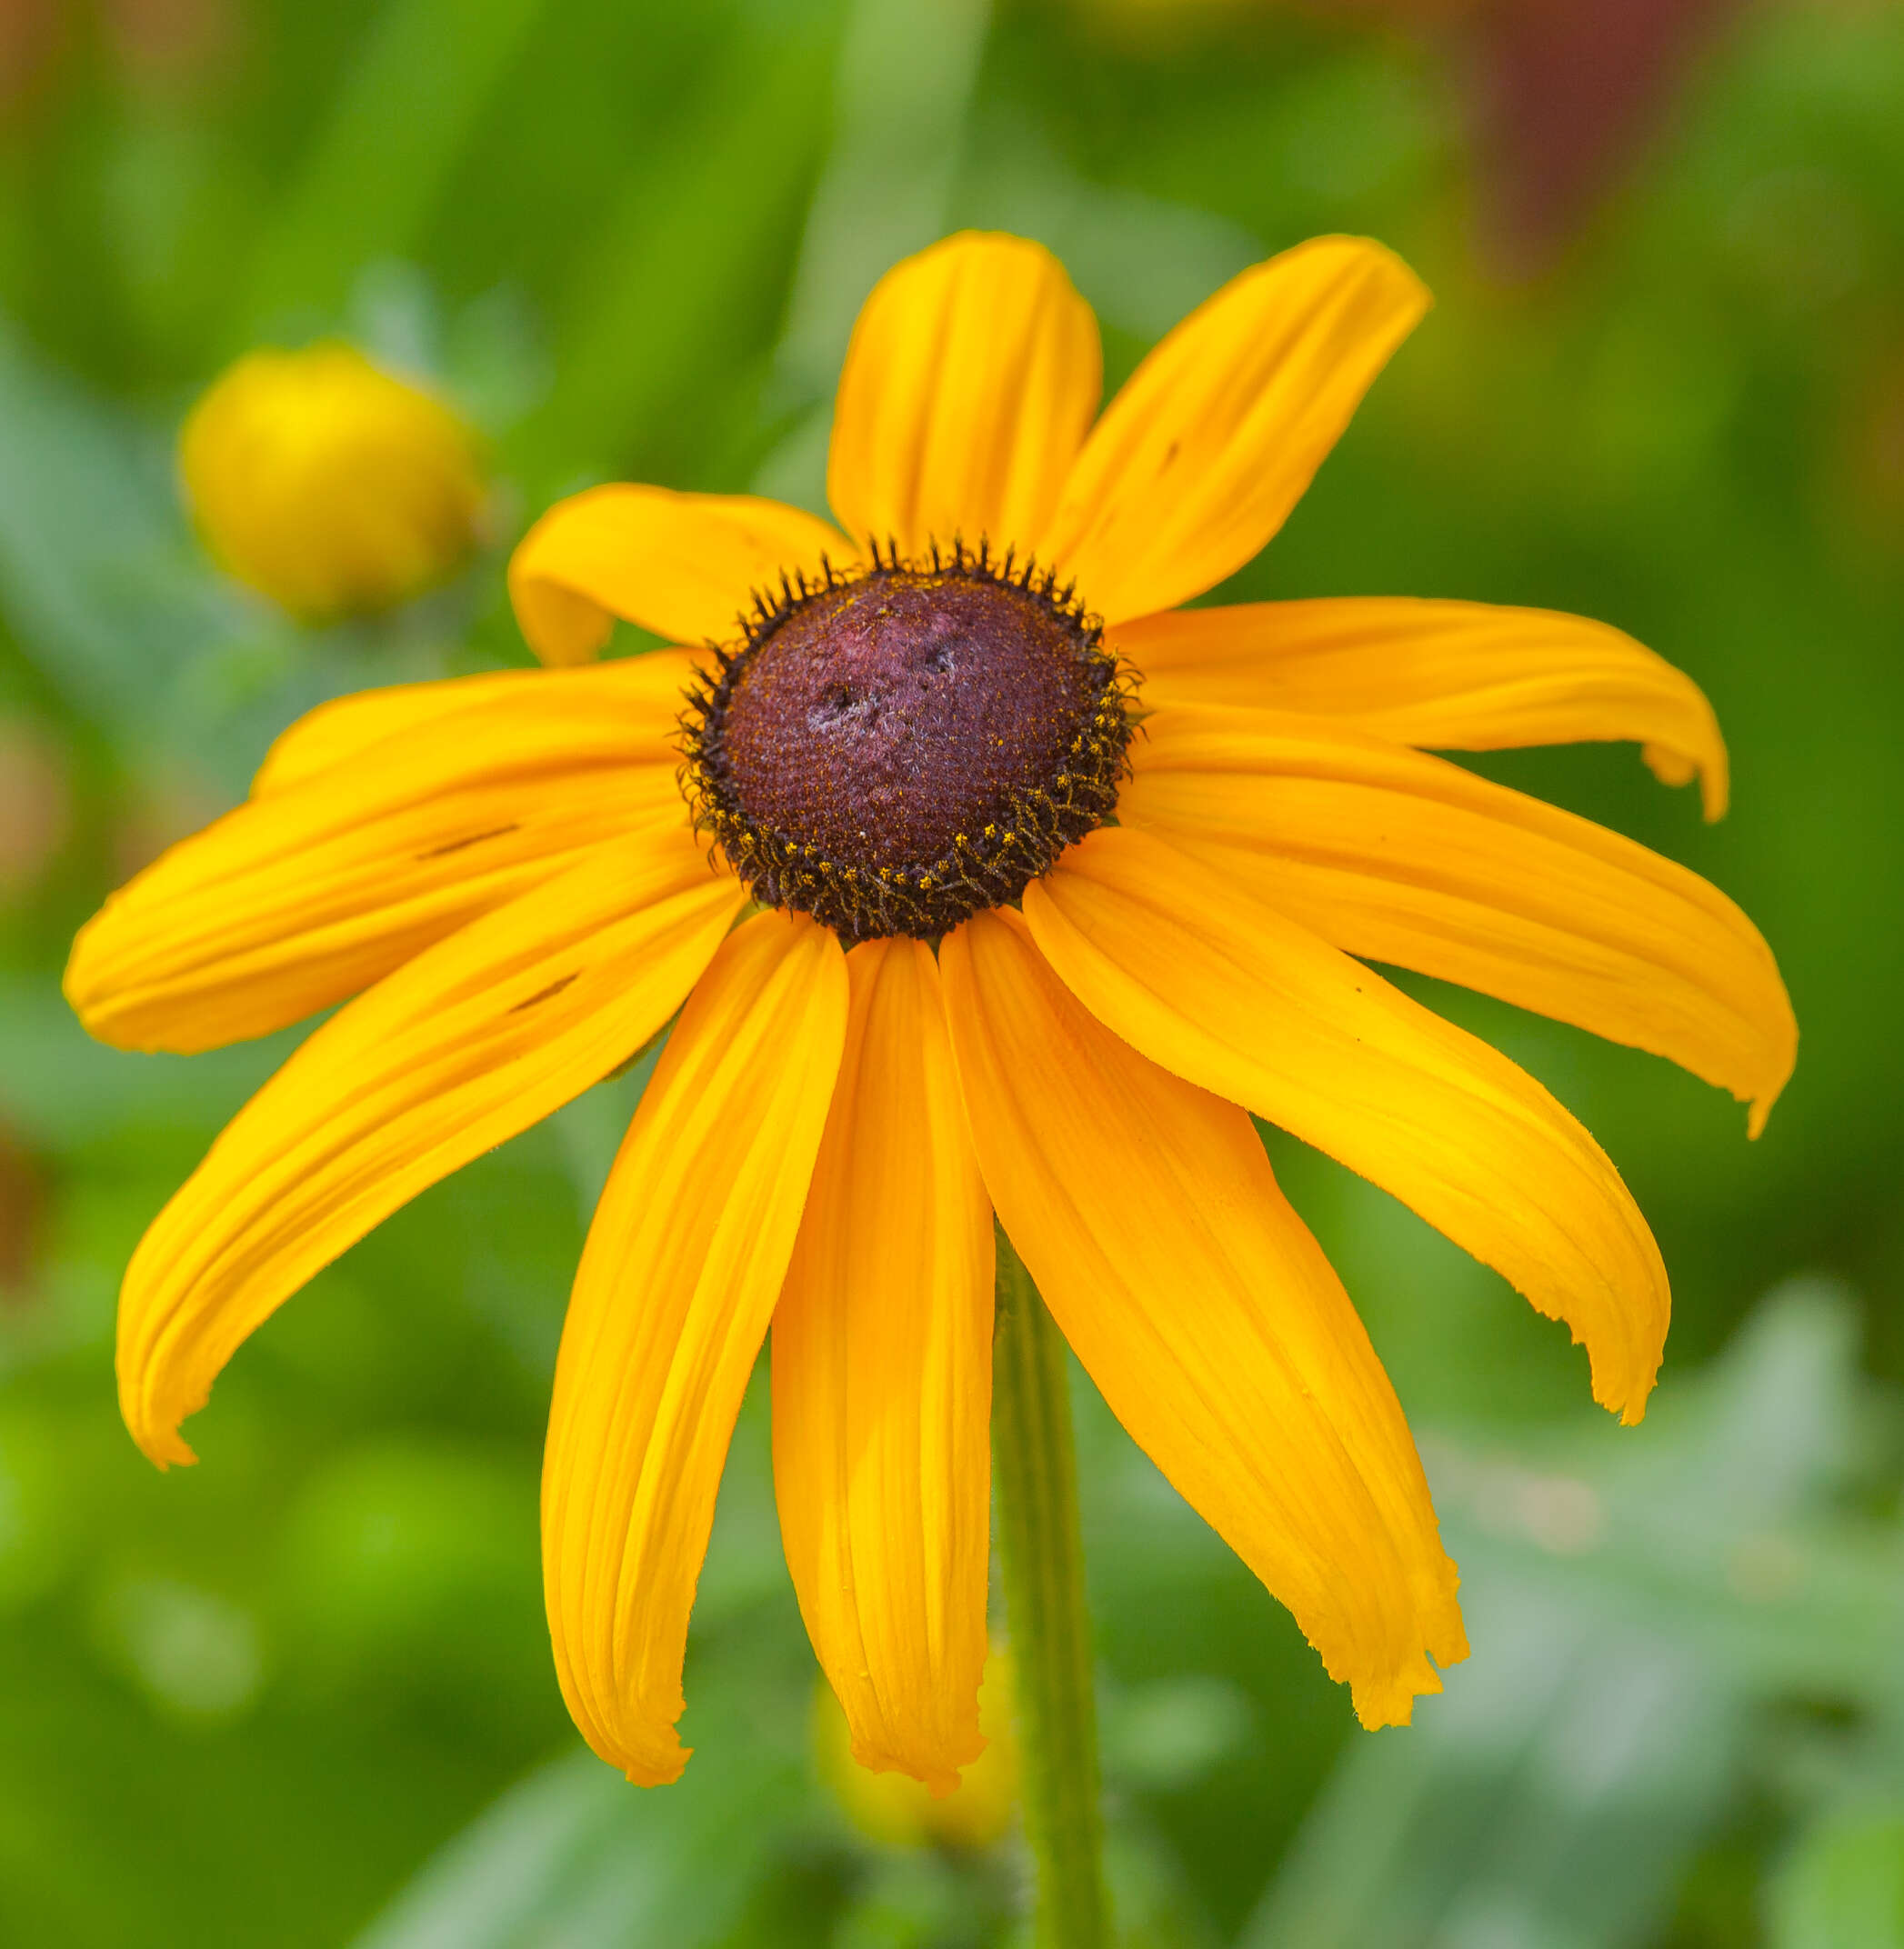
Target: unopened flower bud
column 328, row 485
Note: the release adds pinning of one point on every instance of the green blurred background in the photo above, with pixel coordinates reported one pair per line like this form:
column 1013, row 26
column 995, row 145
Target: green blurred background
column 301, row 1694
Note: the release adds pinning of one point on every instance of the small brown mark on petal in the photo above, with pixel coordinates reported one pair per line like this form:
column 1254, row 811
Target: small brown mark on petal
column 544, row 995
column 475, row 839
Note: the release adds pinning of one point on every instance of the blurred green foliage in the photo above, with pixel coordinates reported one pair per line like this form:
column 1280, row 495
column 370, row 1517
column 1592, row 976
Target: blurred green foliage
column 263, row 1701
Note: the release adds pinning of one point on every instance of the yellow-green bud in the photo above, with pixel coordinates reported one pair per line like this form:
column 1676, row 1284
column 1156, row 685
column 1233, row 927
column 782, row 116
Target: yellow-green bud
column 333, row 487
column 894, row 1808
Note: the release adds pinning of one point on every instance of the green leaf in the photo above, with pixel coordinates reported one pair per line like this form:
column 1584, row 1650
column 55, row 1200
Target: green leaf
column 683, row 281
column 575, row 1858
column 1843, row 1887
column 97, row 577
column 1631, row 1595
column 59, row 1088
column 395, row 134
column 109, row 594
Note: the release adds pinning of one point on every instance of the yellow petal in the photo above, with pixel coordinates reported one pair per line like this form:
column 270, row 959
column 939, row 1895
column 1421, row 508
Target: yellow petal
column 968, row 387
column 643, row 694
column 1229, row 994
column 1199, row 460
column 1405, row 858
column 685, row 565
column 883, row 1384
column 1147, row 1213
column 312, row 891
column 1454, row 676
column 682, row 1265
column 898, row 1812
column 474, row 1041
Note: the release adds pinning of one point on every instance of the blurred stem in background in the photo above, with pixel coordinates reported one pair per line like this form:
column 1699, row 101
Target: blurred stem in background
column 1041, row 1554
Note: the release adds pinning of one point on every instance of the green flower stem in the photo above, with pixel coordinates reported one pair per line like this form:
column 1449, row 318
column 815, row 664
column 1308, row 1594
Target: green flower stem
column 1042, row 1556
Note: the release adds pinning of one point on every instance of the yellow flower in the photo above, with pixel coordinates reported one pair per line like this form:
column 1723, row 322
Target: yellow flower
column 327, row 484
column 889, row 1807
column 917, row 734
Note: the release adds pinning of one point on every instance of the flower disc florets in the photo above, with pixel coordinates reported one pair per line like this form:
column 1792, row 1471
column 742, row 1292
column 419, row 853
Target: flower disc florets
column 892, row 749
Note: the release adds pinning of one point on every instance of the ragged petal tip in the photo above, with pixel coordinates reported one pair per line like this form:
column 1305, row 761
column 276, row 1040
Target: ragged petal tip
column 1391, row 1702
column 660, row 1761
column 937, row 1772
column 161, row 1446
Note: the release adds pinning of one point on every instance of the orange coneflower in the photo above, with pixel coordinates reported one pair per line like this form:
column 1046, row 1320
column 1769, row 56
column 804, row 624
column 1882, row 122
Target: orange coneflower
column 1042, row 884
